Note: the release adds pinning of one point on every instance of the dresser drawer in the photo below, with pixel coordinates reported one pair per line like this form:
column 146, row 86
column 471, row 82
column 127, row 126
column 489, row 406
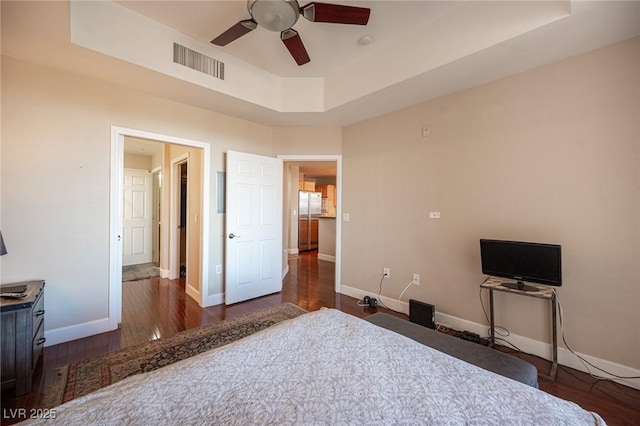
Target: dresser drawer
column 37, row 313
column 38, row 345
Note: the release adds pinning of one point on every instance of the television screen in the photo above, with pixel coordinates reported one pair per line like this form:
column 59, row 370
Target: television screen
column 522, row 261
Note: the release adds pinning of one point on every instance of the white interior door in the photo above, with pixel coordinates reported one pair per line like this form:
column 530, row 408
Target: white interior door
column 253, row 226
column 137, row 217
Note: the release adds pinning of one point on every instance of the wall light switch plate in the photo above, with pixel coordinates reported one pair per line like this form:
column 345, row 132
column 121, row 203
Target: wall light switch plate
column 434, row 215
column 346, row 217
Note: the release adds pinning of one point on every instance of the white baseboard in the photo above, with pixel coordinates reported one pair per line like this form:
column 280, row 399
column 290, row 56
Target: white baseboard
column 545, row 350
column 73, row 332
column 565, row 357
column 525, row 344
column 285, row 271
column 326, row 257
column 293, row 251
column 393, row 304
column 193, row 292
column 214, row 299
column 164, row 273
column 353, row 292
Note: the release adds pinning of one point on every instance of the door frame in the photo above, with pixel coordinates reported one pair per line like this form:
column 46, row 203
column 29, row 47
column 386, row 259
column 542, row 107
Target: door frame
column 115, row 215
column 338, row 160
column 174, row 233
column 156, row 174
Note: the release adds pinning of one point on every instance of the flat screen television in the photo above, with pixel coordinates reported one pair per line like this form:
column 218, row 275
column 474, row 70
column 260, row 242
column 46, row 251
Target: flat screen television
column 522, row 262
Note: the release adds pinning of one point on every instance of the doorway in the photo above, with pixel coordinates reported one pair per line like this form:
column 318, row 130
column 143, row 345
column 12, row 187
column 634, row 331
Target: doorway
column 155, row 217
column 199, row 289
column 144, row 162
column 183, row 198
column 291, row 220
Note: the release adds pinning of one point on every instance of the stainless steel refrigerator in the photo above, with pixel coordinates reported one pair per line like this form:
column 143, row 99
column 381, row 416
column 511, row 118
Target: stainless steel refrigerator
column 309, row 209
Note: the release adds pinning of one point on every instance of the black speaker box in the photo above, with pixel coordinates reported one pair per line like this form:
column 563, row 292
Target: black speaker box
column 422, row 313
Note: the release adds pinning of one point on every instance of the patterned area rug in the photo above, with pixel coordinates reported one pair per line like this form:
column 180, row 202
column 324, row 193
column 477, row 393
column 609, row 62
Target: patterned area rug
column 83, row 377
column 139, row 272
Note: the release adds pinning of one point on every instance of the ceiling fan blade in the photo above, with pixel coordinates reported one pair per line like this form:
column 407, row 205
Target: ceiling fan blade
column 235, row 32
column 335, row 13
column 293, row 42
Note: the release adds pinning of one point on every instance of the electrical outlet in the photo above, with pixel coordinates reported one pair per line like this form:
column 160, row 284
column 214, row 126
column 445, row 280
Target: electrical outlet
column 416, row 279
column 218, row 269
column 386, row 272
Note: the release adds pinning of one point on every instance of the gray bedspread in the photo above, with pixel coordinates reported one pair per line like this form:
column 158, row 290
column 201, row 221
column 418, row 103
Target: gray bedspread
column 473, row 353
column 325, row 367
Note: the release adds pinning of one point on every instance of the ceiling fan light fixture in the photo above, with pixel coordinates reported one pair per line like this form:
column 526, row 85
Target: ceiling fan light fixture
column 274, row 15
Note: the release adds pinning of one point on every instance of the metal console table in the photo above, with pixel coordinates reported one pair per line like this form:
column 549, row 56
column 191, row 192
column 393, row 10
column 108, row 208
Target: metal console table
column 495, row 284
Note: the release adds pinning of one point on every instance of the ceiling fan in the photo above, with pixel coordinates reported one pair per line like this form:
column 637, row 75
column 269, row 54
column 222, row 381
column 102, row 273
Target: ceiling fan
column 281, row 15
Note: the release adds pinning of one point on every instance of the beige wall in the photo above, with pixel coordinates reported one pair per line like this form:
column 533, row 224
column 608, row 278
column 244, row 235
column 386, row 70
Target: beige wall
column 290, row 196
column 194, row 210
column 139, row 162
column 551, row 155
column 327, row 237
column 307, row 140
column 56, row 156
column 548, row 155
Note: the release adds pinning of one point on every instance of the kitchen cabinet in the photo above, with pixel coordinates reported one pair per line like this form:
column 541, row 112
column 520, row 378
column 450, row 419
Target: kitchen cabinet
column 307, row 186
column 328, row 193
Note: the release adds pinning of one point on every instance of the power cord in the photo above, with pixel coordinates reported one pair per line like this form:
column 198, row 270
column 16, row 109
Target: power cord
column 377, row 302
column 513, row 347
column 499, row 330
column 380, row 302
column 584, row 361
column 505, row 333
column 441, row 328
column 362, row 304
column 405, row 289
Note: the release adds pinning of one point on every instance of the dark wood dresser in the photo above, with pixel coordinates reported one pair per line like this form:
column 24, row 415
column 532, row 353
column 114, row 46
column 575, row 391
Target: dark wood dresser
column 22, row 338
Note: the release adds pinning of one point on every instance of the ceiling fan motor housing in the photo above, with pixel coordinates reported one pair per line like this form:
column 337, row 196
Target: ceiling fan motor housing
column 281, row 15
column 274, row 15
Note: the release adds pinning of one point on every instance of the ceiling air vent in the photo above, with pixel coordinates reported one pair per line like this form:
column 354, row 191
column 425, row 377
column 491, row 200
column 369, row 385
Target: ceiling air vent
column 195, row 60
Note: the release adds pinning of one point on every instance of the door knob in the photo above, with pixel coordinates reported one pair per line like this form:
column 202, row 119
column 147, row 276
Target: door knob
column 232, row 236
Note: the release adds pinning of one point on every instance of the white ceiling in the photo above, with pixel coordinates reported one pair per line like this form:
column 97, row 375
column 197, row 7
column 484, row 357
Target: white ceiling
column 420, row 50
column 316, row 169
column 148, row 148
column 328, row 45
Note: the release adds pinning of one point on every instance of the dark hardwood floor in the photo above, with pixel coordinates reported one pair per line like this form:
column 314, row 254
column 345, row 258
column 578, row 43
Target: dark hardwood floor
column 156, row 308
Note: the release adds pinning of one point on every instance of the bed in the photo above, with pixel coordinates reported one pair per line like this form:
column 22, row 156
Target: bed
column 324, row 367
column 473, row 353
